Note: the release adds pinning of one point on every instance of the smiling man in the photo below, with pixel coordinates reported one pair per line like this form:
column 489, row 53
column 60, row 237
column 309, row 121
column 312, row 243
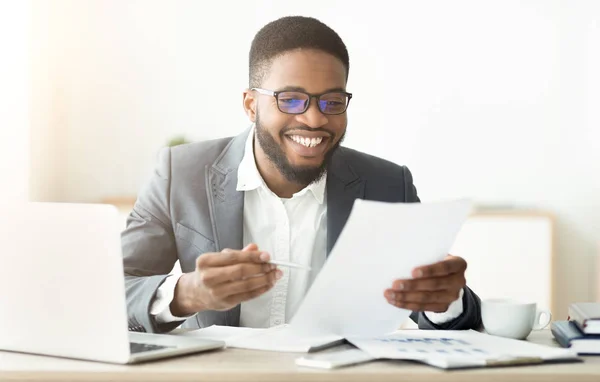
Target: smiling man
column 281, row 190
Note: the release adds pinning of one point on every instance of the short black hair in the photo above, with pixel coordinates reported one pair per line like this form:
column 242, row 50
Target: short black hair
column 289, row 33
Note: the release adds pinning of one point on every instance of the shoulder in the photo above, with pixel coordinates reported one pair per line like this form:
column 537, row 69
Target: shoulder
column 383, row 180
column 197, row 152
column 192, row 157
column 374, row 169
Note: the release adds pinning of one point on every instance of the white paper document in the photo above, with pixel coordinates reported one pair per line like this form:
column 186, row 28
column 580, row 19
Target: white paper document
column 221, row 333
column 459, row 349
column 380, row 243
column 280, row 338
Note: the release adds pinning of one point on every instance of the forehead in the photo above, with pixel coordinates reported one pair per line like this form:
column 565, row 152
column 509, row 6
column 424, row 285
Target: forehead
column 313, row 70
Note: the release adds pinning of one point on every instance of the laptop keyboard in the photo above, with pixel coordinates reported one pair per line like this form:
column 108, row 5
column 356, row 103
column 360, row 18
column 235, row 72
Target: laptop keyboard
column 135, row 347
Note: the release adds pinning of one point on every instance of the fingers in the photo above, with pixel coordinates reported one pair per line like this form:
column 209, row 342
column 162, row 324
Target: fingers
column 450, row 265
column 421, row 301
column 245, row 296
column 212, row 276
column 443, row 297
column 455, row 281
column 230, row 257
column 251, row 247
column 224, row 291
column 418, row 307
column 433, row 287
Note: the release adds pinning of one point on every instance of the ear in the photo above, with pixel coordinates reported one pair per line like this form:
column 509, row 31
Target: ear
column 250, row 104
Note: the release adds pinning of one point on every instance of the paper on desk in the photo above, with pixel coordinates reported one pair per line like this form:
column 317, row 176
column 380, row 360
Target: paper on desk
column 380, row 243
column 459, row 349
column 279, row 338
column 284, row 338
column 220, row 333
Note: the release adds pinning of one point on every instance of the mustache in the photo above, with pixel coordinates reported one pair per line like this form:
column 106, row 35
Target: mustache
column 287, row 130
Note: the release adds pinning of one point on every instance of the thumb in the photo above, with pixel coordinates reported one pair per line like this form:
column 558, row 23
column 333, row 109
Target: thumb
column 250, row 247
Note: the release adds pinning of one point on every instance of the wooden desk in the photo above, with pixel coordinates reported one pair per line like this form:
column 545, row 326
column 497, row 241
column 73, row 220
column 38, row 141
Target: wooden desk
column 246, row 365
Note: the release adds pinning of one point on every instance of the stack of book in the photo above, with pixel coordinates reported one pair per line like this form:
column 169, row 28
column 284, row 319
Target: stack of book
column 582, row 331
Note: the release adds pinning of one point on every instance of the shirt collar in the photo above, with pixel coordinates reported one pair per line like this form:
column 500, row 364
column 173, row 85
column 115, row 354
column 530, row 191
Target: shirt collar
column 248, row 176
column 250, row 179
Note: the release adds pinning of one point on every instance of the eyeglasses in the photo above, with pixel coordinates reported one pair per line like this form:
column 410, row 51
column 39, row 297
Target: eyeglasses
column 297, row 102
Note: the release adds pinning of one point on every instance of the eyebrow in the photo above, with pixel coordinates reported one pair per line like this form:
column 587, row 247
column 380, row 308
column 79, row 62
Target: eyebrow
column 301, row 89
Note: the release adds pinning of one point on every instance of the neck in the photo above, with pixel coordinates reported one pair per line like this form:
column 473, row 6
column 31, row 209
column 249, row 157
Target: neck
column 274, row 179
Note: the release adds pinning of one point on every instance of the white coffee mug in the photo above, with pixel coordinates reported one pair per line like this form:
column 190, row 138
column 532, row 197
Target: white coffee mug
column 511, row 318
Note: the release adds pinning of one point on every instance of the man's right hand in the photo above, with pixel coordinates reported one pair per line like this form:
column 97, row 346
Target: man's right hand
column 223, row 280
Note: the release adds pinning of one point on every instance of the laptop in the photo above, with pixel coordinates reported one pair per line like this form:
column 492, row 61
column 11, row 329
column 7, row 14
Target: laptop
column 62, row 290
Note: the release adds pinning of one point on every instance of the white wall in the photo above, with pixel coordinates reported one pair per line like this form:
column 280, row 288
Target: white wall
column 14, row 100
column 51, row 57
column 496, row 100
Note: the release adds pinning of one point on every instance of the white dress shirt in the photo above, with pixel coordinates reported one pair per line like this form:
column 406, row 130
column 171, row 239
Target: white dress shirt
column 293, row 229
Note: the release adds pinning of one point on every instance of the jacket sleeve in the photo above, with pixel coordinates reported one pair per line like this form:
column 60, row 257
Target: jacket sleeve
column 469, row 319
column 471, row 316
column 149, row 250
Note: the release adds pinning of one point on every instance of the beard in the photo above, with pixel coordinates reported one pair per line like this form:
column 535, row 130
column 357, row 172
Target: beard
column 301, row 175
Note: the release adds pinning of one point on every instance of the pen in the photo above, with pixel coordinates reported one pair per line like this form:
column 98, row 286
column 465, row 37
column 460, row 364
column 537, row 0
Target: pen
column 289, row 265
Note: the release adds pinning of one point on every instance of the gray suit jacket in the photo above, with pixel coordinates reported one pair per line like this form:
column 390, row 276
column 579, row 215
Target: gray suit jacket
column 190, row 206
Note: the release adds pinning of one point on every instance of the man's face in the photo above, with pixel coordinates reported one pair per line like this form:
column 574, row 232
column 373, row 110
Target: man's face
column 300, row 145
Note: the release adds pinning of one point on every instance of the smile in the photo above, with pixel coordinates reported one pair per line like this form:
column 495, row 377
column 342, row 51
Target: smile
column 308, row 145
column 305, row 141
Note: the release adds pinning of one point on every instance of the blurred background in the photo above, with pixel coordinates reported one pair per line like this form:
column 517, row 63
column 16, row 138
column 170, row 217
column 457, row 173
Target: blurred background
column 498, row 101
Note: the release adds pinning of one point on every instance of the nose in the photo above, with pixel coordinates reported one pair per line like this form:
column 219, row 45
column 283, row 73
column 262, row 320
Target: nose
column 313, row 117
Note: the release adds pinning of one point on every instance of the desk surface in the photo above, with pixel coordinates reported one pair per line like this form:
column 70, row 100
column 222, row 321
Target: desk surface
column 247, row 365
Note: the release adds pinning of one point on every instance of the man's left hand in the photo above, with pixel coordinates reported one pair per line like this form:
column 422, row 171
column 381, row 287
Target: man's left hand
column 433, row 287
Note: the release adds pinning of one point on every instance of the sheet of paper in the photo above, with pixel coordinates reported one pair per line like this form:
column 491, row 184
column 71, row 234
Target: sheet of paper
column 456, row 348
column 280, row 338
column 221, row 333
column 380, row 243
column 285, row 339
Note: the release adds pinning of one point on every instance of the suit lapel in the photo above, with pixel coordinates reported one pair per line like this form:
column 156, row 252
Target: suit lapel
column 343, row 188
column 226, row 205
column 227, row 209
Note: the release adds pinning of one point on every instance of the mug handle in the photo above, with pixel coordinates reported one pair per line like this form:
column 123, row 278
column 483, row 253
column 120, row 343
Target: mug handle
column 541, row 325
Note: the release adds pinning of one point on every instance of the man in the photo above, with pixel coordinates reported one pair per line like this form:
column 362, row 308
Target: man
column 282, row 190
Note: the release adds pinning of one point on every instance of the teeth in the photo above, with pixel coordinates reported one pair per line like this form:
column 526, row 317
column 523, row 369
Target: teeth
column 308, row 142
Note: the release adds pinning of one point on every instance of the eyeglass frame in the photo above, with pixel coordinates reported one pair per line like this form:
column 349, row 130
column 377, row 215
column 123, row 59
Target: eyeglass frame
column 310, row 97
